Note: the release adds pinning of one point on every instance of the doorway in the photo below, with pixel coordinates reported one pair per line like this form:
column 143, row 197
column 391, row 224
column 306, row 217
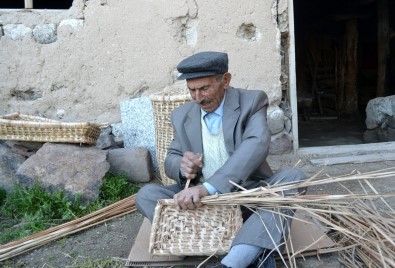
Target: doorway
column 338, row 47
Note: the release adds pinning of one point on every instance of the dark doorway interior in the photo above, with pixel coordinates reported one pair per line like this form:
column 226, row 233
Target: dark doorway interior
column 37, row 4
column 340, row 66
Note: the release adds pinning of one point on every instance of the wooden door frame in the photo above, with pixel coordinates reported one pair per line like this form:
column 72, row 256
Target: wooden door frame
column 292, row 76
column 381, row 146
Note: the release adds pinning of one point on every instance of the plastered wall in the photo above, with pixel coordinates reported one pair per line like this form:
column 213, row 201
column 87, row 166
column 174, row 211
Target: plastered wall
column 78, row 64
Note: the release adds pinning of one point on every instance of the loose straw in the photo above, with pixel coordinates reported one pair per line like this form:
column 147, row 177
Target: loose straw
column 26, row 244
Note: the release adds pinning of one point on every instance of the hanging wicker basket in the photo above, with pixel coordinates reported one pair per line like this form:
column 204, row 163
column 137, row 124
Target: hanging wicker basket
column 23, row 127
column 204, row 231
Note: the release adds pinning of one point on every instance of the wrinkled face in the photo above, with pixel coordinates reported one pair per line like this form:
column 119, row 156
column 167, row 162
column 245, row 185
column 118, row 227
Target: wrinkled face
column 208, row 92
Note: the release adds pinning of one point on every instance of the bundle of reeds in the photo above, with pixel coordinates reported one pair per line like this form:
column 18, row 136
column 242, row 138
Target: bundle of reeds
column 362, row 224
column 26, row 244
column 369, row 240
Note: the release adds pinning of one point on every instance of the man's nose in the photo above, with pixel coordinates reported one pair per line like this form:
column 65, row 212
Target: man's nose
column 198, row 96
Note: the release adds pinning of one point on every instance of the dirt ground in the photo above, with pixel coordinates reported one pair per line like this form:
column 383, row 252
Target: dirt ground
column 115, row 238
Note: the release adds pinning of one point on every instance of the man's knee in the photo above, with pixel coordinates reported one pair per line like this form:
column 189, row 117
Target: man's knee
column 146, row 192
column 146, row 200
column 289, row 175
column 145, row 195
column 298, row 174
column 292, row 174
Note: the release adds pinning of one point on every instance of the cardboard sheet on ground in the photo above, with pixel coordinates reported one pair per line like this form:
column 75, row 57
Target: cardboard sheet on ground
column 306, row 236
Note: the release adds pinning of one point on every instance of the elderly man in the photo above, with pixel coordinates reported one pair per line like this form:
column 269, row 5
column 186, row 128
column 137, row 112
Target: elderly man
column 222, row 135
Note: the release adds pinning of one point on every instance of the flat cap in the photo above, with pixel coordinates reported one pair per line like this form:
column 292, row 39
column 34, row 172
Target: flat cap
column 203, row 64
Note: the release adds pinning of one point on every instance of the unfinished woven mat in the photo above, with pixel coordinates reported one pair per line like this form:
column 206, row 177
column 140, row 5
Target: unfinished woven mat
column 203, row 231
column 34, row 128
column 163, row 104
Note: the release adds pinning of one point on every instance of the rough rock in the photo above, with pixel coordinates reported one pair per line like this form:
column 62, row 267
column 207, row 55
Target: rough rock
column 288, row 124
column 118, row 134
column 16, row 31
column 280, row 144
column 390, row 121
column 275, row 119
column 378, row 110
column 73, row 23
column 135, row 162
column 391, row 134
column 375, row 135
column 9, row 164
column 24, row 148
column 76, row 169
column 106, row 139
column 45, row 33
column 380, row 120
column 138, row 125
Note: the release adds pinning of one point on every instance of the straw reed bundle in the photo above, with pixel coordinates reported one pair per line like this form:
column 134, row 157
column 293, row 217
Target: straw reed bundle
column 26, row 244
column 364, row 234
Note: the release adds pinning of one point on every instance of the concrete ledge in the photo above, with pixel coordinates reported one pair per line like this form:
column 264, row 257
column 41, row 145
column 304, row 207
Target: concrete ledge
column 343, row 149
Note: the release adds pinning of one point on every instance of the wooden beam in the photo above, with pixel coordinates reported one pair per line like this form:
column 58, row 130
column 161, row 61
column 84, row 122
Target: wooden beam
column 29, row 4
column 351, row 93
column 383, row 41
column 292, row 75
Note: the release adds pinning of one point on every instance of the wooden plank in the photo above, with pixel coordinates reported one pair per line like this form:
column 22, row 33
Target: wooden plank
column 292, row 75
column 28, row 3
column 351, row 94
column 383, row 49
column 354, row 159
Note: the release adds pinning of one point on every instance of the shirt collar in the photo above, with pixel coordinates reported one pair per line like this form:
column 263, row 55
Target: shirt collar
column 218, row 111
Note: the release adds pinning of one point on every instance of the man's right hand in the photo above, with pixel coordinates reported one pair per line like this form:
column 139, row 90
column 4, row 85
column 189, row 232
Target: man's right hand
column 190, row 164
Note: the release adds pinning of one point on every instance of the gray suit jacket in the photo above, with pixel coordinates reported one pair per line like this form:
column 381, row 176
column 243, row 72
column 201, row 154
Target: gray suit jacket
column 246, row 135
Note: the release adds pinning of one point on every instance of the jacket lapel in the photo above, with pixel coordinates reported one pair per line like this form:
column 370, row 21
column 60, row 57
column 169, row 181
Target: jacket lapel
column 194, row 129
column 230, row 117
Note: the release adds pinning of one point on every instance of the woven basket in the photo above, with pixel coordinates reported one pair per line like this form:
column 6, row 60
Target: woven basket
column 163, row 104
column 203, row 231
column 34, row 128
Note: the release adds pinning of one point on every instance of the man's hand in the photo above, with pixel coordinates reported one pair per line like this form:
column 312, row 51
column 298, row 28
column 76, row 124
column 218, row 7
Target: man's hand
column 190, row 198
column 190, row 164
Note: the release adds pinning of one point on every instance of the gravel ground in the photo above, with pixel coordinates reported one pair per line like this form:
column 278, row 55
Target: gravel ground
column 114, row 239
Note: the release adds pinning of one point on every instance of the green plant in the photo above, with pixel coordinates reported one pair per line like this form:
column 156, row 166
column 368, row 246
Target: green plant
column 99, row 263
column 28, row 210
column 37, row 201
column 3, row 195
column 115, row 188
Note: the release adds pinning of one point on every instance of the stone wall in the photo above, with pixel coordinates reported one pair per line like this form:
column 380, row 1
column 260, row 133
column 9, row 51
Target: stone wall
column 79, row 64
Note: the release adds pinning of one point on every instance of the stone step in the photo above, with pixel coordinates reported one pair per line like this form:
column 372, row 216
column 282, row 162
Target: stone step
column 354, row 159
column 349, row 154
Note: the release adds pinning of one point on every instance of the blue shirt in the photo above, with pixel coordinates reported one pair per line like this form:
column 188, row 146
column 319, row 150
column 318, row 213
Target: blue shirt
column 213, row 120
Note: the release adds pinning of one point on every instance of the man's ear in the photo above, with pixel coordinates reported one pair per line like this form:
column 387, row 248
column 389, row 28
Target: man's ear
column 226, row 79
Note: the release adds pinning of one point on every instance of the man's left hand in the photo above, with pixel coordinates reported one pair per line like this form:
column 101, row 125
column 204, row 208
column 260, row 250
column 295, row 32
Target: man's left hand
column 190, row 198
